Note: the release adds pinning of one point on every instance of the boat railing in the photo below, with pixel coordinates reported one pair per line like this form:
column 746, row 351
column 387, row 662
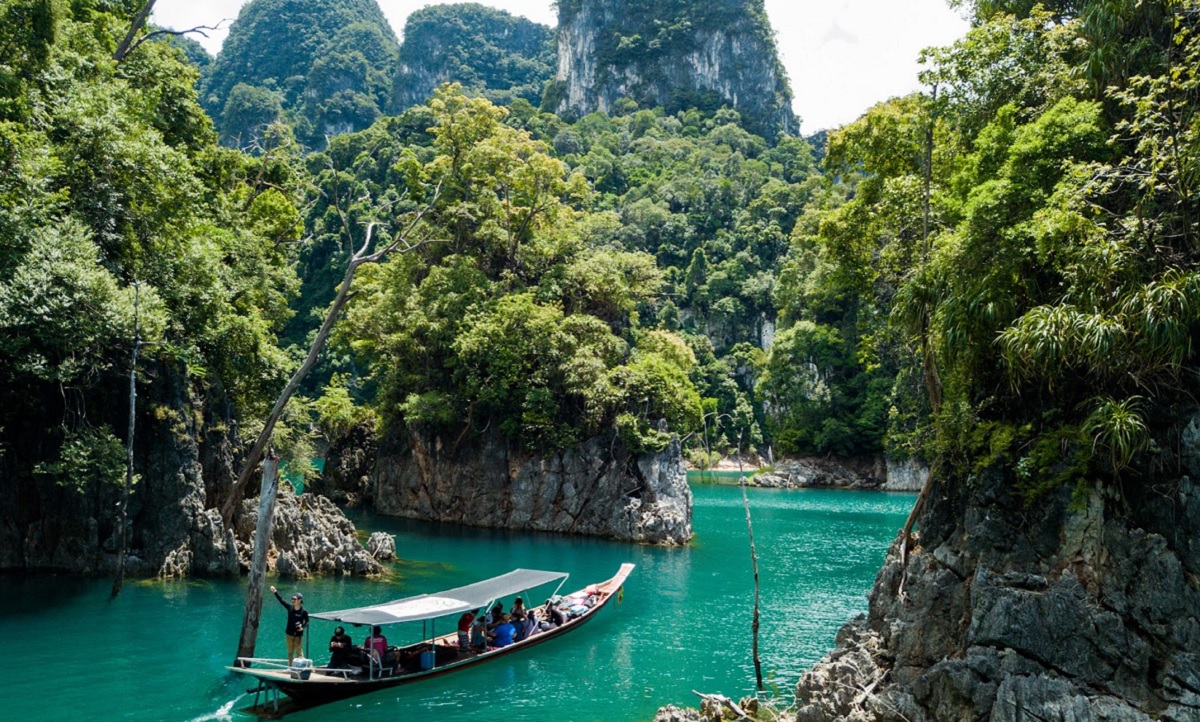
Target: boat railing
column 269, row 662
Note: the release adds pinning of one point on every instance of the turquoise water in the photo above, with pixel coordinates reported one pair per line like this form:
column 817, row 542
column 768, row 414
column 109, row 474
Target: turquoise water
column 717, row 476
column 158, row 651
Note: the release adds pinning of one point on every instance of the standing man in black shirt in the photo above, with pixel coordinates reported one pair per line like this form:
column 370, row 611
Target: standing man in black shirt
column 297, row 622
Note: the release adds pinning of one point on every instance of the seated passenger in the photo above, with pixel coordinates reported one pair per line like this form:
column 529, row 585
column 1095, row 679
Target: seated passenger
column 376, row 645
column 531, row 624
column 479, row 634
column 503, row 634
column 518, row 607
column 517, row 620
column 493, row 617
column 554, row 615
column 340, row 645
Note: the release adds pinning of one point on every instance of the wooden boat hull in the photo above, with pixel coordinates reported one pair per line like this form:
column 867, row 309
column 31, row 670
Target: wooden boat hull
column 322, row 688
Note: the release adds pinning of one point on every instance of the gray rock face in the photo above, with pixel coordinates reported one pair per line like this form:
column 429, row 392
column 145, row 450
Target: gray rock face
column 676, row 55
column 347, row 476
column 905, row 475
column 597, row 488
column 309, row 535
column 170, row 531
column 814, row 472
column 1060, row 613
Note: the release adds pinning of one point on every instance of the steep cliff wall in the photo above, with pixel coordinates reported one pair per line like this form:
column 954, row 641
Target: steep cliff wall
column 1062, row 612
column 489, row 51
column 672, row 53
column 185, row 459
column 598, row 488
column 46, row 525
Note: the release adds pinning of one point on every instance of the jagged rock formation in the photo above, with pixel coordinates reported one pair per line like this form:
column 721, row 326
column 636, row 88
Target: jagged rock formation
column 489, row 51
column 677, row 54
column 325, row 64
column 1060, row 612
column 597, row 488
column 814, row 472
column 310, row 535
column 49, row 527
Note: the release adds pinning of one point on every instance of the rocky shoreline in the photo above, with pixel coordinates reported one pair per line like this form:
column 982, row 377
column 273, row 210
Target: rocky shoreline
column 906, row 475
column 1062, row 612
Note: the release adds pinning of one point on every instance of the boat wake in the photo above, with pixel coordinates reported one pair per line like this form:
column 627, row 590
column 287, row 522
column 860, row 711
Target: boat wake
column 224, row 712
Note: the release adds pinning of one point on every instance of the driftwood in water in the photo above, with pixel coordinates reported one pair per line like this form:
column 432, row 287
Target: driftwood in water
column 758, row 676
column 723, row 701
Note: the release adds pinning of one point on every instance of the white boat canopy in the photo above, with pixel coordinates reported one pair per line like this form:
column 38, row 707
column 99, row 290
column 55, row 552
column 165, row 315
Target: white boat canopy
column 440, row 604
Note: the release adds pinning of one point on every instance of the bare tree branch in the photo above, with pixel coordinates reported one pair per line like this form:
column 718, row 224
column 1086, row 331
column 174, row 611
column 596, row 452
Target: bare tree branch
column 199, row 30
column 398, row 242
column 134, row 28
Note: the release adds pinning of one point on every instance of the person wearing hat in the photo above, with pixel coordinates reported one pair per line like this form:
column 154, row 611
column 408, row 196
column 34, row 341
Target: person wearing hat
column 297, row 622
column 341, row 648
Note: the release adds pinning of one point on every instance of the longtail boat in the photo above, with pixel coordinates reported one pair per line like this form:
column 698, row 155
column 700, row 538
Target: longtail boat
column 283, row 687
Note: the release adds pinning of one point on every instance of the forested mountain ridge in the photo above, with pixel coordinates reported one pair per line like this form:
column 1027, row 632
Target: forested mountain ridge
column 487, row 51
column 326, row 66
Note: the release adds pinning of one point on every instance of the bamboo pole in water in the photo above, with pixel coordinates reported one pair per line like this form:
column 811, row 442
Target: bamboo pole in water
column 754, row 565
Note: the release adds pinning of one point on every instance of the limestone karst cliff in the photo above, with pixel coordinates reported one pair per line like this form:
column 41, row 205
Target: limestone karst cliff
column 676, row 54
column 597, row 488
column 488, row 51
column 1062, row 612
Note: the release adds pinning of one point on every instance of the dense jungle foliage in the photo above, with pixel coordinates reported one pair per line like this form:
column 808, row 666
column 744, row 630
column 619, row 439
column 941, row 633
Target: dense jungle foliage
column 999, row 271
column 1047, row 275
column 113, row 190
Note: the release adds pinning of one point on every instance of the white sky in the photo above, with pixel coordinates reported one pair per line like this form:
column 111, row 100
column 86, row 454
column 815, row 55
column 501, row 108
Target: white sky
column 842, row 56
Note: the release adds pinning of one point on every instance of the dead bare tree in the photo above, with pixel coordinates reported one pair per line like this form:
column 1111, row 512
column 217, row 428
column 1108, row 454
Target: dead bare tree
column 135, row 27
column 399, row 244
column 129, row 44
column 933, row 380
column 123, row 520
column 258, row 564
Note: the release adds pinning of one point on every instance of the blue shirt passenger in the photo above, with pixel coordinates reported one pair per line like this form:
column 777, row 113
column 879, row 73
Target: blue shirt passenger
column 503, row 634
